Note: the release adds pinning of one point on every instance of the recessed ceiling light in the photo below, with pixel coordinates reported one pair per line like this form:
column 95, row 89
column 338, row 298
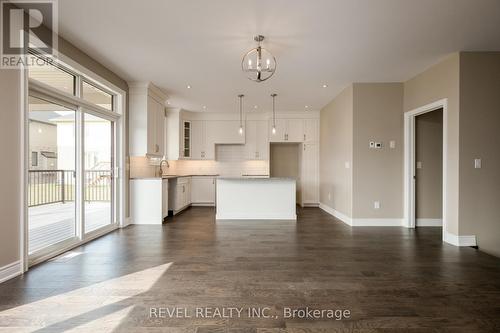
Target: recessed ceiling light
column 204, row 107
column 189, row 86
column 168, row 102
column 306, row 107
column 325, row 85
column 255, row 106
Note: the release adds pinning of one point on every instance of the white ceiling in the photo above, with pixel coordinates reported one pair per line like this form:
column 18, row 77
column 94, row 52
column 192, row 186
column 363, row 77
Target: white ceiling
column 200, row 42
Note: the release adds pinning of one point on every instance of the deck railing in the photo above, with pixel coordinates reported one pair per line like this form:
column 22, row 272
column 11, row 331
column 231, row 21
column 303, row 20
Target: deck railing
column 53, row 186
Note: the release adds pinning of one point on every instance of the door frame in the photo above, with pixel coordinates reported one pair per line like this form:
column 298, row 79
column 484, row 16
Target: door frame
column 118, row 115
column 409, row 161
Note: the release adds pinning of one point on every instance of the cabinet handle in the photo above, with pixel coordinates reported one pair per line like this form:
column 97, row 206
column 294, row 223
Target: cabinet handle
column 157, row 148
column 304, row 137
column 183, row 189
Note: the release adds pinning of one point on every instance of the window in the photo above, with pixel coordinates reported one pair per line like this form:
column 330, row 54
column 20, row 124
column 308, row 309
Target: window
column 97, row 96
column 53, row 76
column 34, row 159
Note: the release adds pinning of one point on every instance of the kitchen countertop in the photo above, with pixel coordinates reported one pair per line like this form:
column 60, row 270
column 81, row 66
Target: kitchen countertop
column 175, row 176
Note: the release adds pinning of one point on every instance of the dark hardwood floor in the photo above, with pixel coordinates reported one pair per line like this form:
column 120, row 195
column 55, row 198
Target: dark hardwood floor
column 390, row 279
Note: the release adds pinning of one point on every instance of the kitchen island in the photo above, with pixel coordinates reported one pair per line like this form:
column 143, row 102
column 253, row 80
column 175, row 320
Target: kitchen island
column 255, row 199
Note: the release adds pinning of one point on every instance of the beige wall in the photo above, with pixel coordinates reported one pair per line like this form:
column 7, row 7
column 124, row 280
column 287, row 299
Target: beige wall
column 10, row 171
column 439, row 82
column 335, row 151
column 429, row 154
column 480, row 138
column 10, row 168
column 377, row 173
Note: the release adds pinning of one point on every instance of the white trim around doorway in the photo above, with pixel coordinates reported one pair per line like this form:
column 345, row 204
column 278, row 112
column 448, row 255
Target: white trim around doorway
column 409, row 162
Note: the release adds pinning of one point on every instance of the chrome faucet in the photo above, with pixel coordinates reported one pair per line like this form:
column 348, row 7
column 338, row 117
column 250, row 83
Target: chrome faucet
column 161, row 164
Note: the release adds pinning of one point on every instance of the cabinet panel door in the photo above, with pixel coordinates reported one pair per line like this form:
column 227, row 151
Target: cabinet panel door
column 280, row 135
column 295, row 130
column 262, row 140
column 180, row 197
column 310, row 173
column 164, row 199
column 202, row 190
column 151, row 126
column 160, row 128
column 197, row 140
column 311, row 130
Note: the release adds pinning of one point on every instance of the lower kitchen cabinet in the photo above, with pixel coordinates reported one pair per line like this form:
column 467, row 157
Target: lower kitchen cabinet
column 179, row 194
column 203, row 190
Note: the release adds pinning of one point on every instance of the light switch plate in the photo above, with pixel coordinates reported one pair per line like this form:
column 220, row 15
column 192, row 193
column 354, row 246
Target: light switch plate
column 419, row 165
column 376, row 204
column 392, row 144
column 347, row 165
column 477, row 163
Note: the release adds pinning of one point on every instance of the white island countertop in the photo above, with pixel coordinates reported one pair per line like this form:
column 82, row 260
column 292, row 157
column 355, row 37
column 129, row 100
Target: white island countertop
column 247, row 198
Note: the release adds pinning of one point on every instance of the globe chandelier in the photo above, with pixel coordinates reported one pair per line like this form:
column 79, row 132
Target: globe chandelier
column 258, row 64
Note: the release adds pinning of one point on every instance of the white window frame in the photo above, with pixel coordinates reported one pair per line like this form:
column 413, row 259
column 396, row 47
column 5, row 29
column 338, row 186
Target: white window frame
column 118, row 115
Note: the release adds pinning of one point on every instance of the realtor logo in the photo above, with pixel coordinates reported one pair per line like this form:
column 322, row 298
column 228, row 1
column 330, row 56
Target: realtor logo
column 27, row 25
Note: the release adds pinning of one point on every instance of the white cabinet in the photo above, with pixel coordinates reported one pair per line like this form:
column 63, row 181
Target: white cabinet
column 179, row 194
column 148, row 200
column 311, row 130
column 186, row 134
column 201, row 146
column 287, row 130
column 224, row 132
column 203, row 190
column 310, row 174
column 164, row 199
column 295, row 130
column 146, row 120
column 257, row 140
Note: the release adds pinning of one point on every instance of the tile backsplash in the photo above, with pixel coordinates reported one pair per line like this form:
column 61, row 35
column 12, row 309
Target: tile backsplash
column 230, row 162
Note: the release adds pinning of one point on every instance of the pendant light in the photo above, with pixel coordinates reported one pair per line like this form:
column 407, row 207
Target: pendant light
column 274, row 114
column 240, row 96
column 258, row 63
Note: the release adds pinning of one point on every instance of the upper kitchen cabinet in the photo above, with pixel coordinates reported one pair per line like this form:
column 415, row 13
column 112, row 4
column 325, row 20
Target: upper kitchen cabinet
column 146, row 120
column 224, row 132
column 257, row 140
column 287, row 130
column 202, row 148
column 311, row 130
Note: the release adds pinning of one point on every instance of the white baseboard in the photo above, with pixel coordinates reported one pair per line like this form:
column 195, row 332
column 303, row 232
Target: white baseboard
column 429, row 222
column 362, row 222
column 342, row 217
column 222, row 217
column 128, row 221
column 459, row 240
column 377, row 222
column 10, row 271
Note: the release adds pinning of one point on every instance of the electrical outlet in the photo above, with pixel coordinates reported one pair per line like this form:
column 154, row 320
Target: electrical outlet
column 392, row 144
column 419, row 165
column 376, row 204
column 372, row 144
column 378, row 145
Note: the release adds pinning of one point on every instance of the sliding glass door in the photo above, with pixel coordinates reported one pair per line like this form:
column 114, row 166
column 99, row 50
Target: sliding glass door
column 98, row 176
column 51, row 175
column 72, row 137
